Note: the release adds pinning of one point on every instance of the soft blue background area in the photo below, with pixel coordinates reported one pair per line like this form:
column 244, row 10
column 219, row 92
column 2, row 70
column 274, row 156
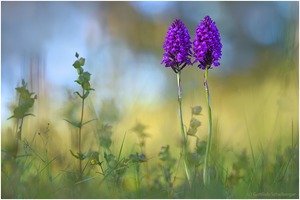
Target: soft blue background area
column 54, row 31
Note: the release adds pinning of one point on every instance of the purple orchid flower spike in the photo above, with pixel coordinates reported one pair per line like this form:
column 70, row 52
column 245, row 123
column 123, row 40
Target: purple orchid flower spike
column 177, row 47
column 207, row 44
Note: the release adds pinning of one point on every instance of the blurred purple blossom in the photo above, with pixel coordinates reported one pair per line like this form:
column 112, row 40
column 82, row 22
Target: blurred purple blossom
column 207, row 44
column 177, row 47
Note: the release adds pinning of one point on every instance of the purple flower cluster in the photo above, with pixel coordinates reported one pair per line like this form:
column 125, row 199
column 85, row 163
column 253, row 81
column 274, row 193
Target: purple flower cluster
column 177, row 47
column 206, row 46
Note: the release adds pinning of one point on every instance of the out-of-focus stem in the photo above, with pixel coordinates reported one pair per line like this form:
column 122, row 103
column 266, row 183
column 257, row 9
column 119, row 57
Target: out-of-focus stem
column 79, row 135
column 18, row 136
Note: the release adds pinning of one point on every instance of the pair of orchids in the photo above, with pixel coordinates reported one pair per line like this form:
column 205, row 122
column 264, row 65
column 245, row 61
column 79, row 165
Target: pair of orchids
column 207, row 51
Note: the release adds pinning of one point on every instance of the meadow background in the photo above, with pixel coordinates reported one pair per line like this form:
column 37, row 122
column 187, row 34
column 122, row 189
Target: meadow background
column 254, row 93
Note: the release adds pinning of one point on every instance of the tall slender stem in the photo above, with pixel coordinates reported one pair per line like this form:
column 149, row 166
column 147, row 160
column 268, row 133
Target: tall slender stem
column 79, row 135
column 18, row 136
column 180, row 107
column 184, row 148
column 206, row 177
column 18, row 130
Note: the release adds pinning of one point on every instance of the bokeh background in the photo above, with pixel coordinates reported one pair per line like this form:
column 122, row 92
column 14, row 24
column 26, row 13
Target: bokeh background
column 254, row 92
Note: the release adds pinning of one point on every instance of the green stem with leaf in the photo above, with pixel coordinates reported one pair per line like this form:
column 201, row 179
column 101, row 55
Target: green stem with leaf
column 18, row 134
column 84, row 81
column 206, row 178
column 26, row 101
column 184, row 148
column 79, row 134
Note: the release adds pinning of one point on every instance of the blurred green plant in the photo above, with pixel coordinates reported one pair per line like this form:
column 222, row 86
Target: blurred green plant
column 137, row 159
column 26, row 101
column 105, row 135
column 194, row 122
column 139, row 129
column 167, row 166
column 84, row 81
column 192, row 159
column 116, row 167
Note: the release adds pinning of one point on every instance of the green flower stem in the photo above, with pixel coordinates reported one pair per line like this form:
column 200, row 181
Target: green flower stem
column 18, row 135
column 138, row 181
column 180, row 107
column 206, row 177
column 19, row 130
column 79, row 135
column 184, row 148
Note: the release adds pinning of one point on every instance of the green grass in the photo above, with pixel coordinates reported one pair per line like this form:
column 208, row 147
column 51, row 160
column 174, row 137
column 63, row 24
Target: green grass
column 256, row 173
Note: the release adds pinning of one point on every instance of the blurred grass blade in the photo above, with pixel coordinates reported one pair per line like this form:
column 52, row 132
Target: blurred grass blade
column 121, row 147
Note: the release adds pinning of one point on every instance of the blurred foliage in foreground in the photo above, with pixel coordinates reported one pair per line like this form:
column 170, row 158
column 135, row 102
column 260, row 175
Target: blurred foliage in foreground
column 124, row 163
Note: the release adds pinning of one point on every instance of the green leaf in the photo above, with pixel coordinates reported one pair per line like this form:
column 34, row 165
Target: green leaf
column 10, row 117
column 192, row 131
column 201, row 147
column 74, row 154
column 87, row 76
column 105, row 141
column 79, row 156
column 77, row 81
column 80, row 80
column 195, row 123
column 88, row 122
column 76, row 64
column 95, row 155
column 76, row 124
column 26, row 101
column 86, row 85
column 196, row 110
column 20, row 89
column 105, row 134
column 76, row 55
column 109, row 157
column 164, row 154
column 79, row 70
column 29, row 103
column 20, row 111
column 29, row 114
column 86, row 94
column 79, row 95
column 81, row 61
column 24, row 94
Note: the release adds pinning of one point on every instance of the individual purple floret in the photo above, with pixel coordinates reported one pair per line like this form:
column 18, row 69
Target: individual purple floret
column 177, row 47
column 207, row 44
